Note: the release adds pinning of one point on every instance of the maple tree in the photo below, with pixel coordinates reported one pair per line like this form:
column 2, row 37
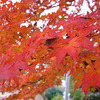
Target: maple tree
column 34, row 58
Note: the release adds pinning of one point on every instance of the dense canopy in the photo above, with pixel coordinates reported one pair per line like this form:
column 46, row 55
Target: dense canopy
column 41, row 40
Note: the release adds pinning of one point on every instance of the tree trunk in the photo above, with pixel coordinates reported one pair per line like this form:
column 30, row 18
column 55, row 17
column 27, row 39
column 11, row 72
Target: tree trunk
column 67, row 86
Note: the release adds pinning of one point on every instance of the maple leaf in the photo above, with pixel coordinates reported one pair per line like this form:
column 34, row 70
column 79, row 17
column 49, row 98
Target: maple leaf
column 86, row 43
column 5, row 73
column 96, row 79
column 22, row 65
column 3, row 1
column 86, row 81
column 61, row 52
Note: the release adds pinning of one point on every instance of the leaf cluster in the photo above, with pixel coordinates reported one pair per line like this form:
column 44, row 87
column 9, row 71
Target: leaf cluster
column 34, row 58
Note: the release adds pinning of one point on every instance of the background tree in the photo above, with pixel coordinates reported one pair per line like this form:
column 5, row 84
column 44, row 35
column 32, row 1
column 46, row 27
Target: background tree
column 34, row 58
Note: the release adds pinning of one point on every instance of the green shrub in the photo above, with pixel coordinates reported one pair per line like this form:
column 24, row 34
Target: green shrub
column 51, row 92
column 57, row 97
column 94, row 96
column 78, row 95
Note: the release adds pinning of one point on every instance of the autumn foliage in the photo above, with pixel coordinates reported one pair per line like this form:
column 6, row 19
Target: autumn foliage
column 34, row 58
